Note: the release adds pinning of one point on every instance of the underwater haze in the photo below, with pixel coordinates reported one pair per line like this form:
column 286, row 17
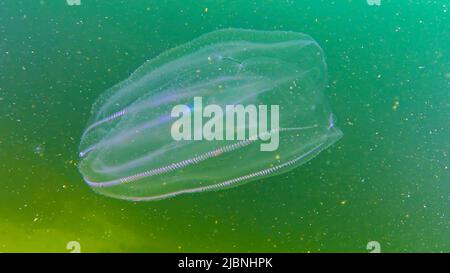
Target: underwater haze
column 386, row 180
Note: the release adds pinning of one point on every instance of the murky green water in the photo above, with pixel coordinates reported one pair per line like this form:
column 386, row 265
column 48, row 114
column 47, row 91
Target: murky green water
column 387, row 180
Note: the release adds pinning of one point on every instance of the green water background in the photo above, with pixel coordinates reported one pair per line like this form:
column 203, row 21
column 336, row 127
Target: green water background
column 387, row 180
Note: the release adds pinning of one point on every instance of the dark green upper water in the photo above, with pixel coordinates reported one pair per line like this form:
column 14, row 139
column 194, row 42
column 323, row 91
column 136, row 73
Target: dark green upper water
column 387, row 180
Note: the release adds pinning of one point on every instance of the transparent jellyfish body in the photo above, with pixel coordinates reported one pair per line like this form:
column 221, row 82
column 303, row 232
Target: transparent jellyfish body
column 127, row 151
